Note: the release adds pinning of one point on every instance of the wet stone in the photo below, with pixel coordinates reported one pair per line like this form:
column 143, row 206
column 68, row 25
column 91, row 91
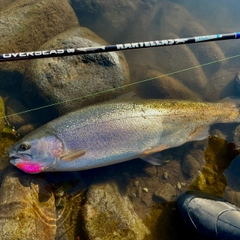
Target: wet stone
column 145, row 190
column 25, row 129
column 27, row 207
column 237, row 83
column 108, row 215
column 179, row 186
column 232, row 196
column 236, row 136
column 218, row 133
column 205, row 53
column 25, row 27
column 150, row 170
column 13, row 106
column 139, row 192
column 49, row 81
column 190, row 166
column 165, row 175
column 165, row 192
column 5, row 3
column 136, row 183
column 197, row 83
column 164, row 87
column 68, row 217
column 221, row 84
column 192, row 163
column 134, row 195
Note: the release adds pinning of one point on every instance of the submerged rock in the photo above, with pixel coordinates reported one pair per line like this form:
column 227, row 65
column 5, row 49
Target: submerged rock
column 237, row 83
column 116, row 20
column 25, row 129
column 5, row 3
column 17, row 113
column 221, row 84
column 174, row 17
column 164, row 87
column 236, row 136
column 78, row 77
column 232, row 196
column 108, row 215
column 181, row 61
column 24, row 26
column 166, row 192
column 2, row 114
column 193, row 162
column 27, row 207
column 68, row 217
column 205, row 52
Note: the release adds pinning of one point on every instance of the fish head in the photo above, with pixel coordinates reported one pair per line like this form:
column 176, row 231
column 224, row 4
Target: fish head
column 36, row 152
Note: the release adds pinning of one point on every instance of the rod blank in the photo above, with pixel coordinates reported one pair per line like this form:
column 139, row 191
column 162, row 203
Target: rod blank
column 112, row 48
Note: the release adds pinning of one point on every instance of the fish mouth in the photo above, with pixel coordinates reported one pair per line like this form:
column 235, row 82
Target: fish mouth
column 27, row 166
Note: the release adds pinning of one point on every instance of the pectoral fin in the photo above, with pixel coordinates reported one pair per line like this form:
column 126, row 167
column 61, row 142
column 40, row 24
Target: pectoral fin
column 154, row 159
column 153, row 155
column 199, row 134
column 72, row 155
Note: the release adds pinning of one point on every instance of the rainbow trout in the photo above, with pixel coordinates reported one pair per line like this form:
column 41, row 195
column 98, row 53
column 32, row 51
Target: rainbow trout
column 114, row 132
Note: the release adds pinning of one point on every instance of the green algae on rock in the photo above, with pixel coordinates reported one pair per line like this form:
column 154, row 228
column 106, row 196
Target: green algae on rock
column 218, row 156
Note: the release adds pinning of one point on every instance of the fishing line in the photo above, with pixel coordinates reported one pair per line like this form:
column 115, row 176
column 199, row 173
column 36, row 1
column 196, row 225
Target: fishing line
column 120, row 87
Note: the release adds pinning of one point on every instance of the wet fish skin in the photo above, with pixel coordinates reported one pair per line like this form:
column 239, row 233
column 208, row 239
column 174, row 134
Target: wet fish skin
column 114, row 132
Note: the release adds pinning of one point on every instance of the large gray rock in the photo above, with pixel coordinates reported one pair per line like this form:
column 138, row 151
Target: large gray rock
column 24, row 26
column 108, row 215
column 180, row 62
column 5, row 3
column 115, row 20
column 77, row 78
column 27, row 207
column 222, row 84
column 205, row 52
column 163, row 86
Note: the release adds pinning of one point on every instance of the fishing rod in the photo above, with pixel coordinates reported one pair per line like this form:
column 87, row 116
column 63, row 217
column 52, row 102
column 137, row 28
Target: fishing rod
column 112, row 48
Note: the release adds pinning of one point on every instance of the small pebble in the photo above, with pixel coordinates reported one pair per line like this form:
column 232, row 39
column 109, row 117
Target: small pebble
column 136, row 183
column 166, row 192
column 165, row 175
column 179, row 186
column 145, row 190
column 139, row 192
column 183, row 184
column 150, row 170
column 134, row 195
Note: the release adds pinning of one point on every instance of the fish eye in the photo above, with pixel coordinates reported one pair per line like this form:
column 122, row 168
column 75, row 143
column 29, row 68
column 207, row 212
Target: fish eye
column 24, row 147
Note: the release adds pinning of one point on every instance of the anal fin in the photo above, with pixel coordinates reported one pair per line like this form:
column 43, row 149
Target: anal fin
column 199, row 134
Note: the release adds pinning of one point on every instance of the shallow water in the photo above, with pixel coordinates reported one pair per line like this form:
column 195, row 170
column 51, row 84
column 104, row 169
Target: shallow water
column 203, row 71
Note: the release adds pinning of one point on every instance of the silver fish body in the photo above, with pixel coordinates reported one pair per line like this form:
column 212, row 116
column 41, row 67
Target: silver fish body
column 114, row 132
